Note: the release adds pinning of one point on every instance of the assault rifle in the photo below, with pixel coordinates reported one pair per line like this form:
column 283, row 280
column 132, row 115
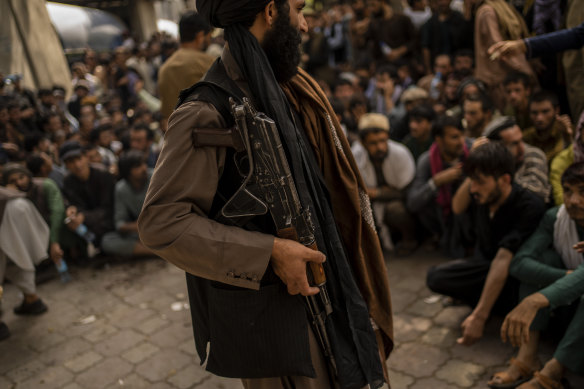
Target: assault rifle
column 268, row 186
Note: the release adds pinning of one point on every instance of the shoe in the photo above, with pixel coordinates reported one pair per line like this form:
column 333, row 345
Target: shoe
column 35, row 308
column 541, row 381
column 4, row 331
column 526, row 373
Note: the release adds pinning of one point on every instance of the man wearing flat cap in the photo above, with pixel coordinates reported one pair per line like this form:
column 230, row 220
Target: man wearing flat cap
column 246, row 286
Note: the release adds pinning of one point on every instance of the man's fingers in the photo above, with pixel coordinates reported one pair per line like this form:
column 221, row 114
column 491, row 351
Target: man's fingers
column 504, row 329
column 316, row 256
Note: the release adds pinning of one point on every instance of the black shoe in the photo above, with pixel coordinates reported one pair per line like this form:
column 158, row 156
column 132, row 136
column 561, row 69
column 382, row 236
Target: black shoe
column 4, row 331
column 35, row 308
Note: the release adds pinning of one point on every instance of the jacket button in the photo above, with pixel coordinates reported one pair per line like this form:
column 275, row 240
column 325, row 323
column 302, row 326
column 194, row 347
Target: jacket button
column 231, row 274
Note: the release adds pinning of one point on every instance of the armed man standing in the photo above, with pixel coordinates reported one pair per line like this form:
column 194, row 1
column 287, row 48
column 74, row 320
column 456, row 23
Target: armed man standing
column 243, row 202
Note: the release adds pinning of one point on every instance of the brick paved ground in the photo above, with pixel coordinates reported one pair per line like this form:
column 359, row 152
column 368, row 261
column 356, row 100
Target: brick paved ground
column 128, row 326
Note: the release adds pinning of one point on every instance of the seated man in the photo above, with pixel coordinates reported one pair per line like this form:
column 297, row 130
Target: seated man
column 23, row 244
column 129, row 196
column 548, row 133
column 387, row 168
column 438, row 175
column 419, row 139
column 46, row 196
column 478, row 111
column 504, row 215
column 90, row 193
column 531, row 167
column 550, row 268
column 518, row 89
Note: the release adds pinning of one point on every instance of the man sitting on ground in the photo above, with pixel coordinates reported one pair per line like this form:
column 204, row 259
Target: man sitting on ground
column 387, row 168
column 23, row 244
column 504, row 215
column 531, row 167
column 549, row 132
column 90, row 193
column 129, row 196
column 419, row 140
column 518, row 89
column 550, row 268
column 46, row 196
column 438, row 175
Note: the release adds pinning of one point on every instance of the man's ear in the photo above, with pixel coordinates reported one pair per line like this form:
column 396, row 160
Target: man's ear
column 270, row 13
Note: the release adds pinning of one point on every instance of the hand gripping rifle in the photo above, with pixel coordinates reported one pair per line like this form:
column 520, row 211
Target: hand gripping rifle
column 268, row 186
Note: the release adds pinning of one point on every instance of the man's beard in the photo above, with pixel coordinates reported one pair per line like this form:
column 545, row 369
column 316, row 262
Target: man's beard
column 282, row 47
column 494, row 196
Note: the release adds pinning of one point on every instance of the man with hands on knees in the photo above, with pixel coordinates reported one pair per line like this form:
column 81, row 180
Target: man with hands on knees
column 504, row 215
column 549, row 267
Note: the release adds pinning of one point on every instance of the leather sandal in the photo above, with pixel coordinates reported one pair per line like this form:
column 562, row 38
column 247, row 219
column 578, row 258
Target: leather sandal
column 542, row 381
column 526, row 373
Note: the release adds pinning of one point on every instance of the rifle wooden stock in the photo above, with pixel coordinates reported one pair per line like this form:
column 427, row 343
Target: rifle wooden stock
column 316, row 269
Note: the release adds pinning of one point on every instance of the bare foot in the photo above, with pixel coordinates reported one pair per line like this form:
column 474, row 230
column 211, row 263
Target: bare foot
column 516, row 371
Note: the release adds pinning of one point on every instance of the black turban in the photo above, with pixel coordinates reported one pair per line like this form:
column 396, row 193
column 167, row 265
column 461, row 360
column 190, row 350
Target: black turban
column 223, row 13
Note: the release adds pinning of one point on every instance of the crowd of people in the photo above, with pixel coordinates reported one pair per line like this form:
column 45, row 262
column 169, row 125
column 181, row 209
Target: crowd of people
column 462, row 140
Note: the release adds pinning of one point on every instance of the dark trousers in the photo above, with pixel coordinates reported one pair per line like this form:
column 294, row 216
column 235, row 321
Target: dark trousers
column 464, row 279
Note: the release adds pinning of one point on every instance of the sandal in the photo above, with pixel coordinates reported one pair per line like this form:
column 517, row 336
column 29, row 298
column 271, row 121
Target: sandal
column 542, row 381
column 526, row 373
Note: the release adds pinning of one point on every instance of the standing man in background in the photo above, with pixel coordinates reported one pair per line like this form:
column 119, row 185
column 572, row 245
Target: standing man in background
column 187, row 65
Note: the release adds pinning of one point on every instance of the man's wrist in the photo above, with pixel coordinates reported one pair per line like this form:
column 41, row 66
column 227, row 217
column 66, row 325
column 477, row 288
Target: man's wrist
column 537, row 300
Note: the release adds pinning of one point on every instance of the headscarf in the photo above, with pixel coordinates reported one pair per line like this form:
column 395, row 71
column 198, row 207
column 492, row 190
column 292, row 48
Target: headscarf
column 223, row 13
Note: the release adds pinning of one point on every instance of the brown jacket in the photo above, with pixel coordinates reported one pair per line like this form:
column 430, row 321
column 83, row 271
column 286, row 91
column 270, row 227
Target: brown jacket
column 173, row 222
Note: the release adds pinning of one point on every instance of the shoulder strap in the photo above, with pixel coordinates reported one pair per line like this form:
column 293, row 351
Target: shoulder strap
column 216, row 87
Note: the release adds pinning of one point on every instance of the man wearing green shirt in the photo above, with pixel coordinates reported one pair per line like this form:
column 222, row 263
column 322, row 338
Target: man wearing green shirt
column 46, row 196
column 550, row 267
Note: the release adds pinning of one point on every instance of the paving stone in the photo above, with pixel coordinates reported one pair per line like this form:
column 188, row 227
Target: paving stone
column 402, row 299
column 188, row 377
column 189, row 348
column 140, row 352
column 13, row 353
column 172, row 335
column 164, row 364
column 129, row 317
column 408, row 328
column 102, row 332
column 4, row 383
column 488, row 351
column 51, row 378
column 104, row 373
column 133, row 381
column 144, row 295
column 400, row 380
column 119, row 342
column 153, row 324
column 214, row 382
column 431, row 383
column 64, row 351
column 45, row 340
column 421, row 308
column 26, row 371
column 440, row 336
column 451, row 317
column 73, row 385
column 461, row 373
column 83, row 361
column 412, row 283
column 417, row 360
